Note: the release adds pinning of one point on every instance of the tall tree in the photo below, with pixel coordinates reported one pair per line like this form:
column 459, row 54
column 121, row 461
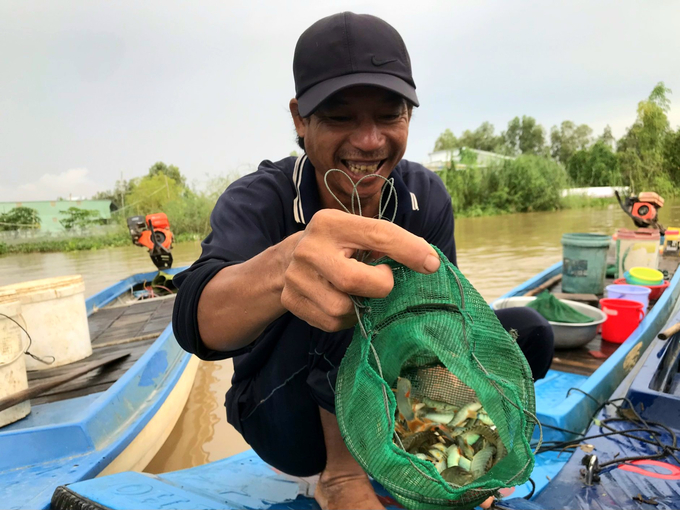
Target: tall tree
column 525, row 136
column 171, row 171
column 446, row 141
column 568, row 139
column 595, row 166
column 483, row 138
column 641, row 149
column 607, row 137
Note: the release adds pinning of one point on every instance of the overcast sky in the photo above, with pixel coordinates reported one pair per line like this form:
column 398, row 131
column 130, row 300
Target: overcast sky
column 90, row 90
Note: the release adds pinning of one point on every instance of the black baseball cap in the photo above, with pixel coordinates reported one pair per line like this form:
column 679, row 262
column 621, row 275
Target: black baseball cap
column 345, row 50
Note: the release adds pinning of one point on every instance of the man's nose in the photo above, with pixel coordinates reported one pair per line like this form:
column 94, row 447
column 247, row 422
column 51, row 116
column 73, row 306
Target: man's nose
column 367, row 136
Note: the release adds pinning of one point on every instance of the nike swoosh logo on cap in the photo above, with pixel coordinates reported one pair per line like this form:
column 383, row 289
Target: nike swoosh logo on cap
column 379, row 63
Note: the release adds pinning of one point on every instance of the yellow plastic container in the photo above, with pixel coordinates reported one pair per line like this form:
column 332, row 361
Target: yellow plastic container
column 671, row 243
column 56, row 318
column 646, row 274
column 12, row 365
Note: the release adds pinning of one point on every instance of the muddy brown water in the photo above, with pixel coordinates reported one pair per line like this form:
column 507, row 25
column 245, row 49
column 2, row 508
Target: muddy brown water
column 495, row 253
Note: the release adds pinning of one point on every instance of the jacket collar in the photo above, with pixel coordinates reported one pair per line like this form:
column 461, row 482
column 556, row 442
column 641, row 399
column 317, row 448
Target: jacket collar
column 307, row 200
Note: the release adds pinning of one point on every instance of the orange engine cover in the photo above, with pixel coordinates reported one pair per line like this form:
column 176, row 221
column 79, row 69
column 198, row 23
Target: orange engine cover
column 644, row 210
column 163, row 236
column 158, row 221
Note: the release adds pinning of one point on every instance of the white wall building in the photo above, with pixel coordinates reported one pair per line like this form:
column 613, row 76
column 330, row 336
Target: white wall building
column 439, row 160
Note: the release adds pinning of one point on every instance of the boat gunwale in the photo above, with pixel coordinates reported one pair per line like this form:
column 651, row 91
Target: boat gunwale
column 575, row 411
column 111, row 420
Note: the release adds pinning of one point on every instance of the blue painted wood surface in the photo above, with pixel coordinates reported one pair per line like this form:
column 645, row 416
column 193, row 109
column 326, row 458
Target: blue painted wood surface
column 73, row 440
column 245, row 481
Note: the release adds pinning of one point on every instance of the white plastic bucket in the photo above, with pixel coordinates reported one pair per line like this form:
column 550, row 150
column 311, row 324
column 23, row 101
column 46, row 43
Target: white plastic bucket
column 56, row 319
column 636, row 248
column 631, row 292
column 12, row 367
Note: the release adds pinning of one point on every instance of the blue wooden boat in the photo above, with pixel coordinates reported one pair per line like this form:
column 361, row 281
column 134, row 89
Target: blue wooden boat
column 110, row 420
column 567, row 398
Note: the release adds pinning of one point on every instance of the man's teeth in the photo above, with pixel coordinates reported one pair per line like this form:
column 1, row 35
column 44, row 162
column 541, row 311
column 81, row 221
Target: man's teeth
column 363, row 168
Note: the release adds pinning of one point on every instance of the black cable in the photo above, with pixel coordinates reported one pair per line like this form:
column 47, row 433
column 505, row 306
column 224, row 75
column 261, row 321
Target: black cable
column 533, row 489
column 585, row 393
column 562, row 444
column 30, row 342
column 665, row 449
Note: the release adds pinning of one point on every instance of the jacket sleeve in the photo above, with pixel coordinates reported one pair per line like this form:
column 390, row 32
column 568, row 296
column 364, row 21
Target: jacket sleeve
column 246, row 220
column 440, row 224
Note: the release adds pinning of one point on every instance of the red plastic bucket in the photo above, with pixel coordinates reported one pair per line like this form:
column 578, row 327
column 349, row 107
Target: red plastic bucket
column 623, row 317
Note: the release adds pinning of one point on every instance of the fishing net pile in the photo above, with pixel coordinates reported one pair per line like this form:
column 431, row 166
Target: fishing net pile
column 554, row 310
column 434, row 398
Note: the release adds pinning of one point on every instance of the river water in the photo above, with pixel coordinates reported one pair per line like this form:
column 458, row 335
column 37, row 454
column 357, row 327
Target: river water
column 495, row 253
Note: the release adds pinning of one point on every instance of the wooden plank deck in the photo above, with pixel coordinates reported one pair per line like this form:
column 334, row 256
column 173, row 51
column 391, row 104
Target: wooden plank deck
column 130, row 328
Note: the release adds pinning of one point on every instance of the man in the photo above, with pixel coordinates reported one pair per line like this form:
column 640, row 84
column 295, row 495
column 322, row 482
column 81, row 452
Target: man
column 272, row 286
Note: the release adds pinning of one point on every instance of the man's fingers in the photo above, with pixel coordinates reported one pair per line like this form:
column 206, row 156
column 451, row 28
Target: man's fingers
column 358, row 233
column 310, row 312
column 353, row 277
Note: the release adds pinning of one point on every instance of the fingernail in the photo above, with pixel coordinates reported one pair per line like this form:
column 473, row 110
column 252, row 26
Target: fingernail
column 432, row 263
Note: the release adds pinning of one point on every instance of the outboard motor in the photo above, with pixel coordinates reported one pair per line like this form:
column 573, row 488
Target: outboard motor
column 153, row 232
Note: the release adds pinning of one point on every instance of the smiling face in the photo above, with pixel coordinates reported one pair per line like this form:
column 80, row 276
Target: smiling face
column 361, row 131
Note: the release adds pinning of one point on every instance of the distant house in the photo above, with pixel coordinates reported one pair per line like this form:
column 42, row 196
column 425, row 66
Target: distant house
column 439, row 160
column 49, row 211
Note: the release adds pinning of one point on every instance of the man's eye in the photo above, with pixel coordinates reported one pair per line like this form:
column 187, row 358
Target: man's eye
column 391, row 116
column 339, row 118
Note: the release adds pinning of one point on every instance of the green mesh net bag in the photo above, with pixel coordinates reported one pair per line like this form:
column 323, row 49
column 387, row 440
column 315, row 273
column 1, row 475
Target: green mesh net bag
column 434, row 398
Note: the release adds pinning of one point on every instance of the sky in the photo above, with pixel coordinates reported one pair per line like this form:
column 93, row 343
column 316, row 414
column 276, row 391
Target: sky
column 93, row 91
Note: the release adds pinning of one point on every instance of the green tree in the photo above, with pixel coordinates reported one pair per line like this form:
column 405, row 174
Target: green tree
column 446, row 141
column 152, row 193
column 672, row 155
column 79, row 218
column 568, row 139
column 171, row 171
column 524, row 136
column 117, row 195
column 19, row 218
column 483, row 138
column 607, row 137
column 641, row 150
column 596, row 166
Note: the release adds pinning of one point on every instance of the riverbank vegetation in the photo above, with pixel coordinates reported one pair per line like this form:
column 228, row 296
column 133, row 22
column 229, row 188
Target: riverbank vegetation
column 645, row 158
column 532, row 175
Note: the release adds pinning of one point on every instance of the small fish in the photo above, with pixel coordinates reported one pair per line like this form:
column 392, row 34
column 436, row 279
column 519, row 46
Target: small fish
column 484, row 418
column 457, row 476
column 440, row 407
column 465, row 449
column 440, row 465
column 452, row 455
column 403, row 402
column 470, row 437
column 422, row 456
column 436, row 454
column 440, row 417
column 481, row 462
column 467, row 412
column 415, row 441
column 464, row 463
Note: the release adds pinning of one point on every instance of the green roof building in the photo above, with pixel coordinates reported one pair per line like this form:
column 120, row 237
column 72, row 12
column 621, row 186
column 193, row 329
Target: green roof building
column 49, row 211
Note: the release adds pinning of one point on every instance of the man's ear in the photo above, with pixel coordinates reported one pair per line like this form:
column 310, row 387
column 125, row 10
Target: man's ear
column 300, row 125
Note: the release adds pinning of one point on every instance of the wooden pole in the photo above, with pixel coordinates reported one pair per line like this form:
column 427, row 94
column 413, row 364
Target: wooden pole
column 38, row 389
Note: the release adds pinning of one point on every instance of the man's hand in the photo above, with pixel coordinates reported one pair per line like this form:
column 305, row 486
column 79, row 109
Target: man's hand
column 322, row 273
column 650, row 196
